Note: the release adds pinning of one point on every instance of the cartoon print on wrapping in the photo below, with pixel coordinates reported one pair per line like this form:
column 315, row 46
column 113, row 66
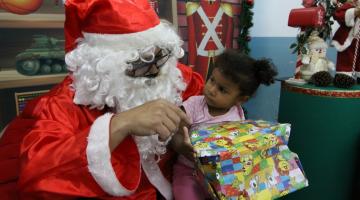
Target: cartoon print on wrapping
column 247, row 159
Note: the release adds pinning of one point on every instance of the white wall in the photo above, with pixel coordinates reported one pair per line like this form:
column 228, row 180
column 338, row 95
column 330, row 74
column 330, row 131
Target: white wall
column 271, row 18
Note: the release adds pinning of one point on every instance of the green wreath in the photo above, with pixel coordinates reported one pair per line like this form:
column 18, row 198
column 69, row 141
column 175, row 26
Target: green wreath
column 245, row 23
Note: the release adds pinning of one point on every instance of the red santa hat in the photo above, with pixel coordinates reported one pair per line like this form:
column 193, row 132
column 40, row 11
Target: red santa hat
column 127, row 23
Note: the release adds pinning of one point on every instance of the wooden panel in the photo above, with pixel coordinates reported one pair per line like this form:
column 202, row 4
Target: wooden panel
column 12, row 79
column 9, row 20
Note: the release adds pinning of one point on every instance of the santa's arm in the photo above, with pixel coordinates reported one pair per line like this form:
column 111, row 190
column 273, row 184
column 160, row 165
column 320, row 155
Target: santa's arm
column 193, row 80
column 64, row 153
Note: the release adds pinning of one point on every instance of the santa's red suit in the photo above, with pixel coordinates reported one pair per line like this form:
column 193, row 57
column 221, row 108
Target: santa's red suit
column 43, row 151
column 58, row 148
column 344, row 39
column 210, row 31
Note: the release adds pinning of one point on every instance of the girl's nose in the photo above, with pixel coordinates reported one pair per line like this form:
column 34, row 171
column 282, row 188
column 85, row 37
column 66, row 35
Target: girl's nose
column 212, row 90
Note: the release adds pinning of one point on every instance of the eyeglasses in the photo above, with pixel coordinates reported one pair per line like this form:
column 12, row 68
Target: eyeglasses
column 140, row 68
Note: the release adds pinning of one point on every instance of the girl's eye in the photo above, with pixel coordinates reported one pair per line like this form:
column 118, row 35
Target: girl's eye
column 222, row 90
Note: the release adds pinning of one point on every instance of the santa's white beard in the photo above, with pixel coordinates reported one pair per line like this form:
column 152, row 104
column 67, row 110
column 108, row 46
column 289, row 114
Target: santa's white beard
column 101, row 81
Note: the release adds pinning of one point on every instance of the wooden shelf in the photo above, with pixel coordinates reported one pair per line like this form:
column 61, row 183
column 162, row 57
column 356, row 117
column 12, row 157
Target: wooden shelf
column 9, row 20
column 12, row 79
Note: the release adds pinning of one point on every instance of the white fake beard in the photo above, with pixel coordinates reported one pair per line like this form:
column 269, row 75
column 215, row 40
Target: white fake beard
column 101, row 81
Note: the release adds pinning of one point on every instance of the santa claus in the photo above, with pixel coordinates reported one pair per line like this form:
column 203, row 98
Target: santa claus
column 346, row 41
column 102, row 132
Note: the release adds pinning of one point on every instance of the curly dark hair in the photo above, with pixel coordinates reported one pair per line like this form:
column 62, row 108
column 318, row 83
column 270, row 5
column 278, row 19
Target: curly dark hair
column 245, row 71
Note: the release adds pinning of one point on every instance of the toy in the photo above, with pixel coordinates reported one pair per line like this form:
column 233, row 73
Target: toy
column 346, row 41
column 315, row 61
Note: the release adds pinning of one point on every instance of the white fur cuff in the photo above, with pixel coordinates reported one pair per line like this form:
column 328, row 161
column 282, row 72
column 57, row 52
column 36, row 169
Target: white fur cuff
column 99, row 157
column 350, row 17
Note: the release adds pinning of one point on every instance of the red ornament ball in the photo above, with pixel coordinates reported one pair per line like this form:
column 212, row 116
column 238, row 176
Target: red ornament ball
column 250, row 2
column 21, row 7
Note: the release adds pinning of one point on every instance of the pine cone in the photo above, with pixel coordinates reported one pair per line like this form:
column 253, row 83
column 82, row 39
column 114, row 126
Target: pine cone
column 343, row 81
column 321, row 79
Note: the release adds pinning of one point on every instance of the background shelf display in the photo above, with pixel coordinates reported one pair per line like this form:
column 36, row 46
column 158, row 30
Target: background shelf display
column 9, row 20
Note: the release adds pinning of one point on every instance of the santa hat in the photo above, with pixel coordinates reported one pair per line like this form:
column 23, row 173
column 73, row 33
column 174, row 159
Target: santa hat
column 125, row 24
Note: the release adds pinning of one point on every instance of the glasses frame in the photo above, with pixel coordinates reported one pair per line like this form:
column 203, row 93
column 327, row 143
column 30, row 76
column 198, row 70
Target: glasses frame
column 160, row 55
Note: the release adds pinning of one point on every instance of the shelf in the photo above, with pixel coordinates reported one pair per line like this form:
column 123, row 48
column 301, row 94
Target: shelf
column 12, row 79
column 9, row 20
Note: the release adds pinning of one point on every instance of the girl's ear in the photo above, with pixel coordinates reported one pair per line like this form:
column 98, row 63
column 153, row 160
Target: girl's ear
column 242, row 99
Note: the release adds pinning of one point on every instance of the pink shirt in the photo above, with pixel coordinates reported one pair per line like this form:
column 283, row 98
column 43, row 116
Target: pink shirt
column 198, row 111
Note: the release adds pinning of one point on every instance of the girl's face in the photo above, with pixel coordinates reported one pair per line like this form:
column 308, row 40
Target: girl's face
column 220, row 92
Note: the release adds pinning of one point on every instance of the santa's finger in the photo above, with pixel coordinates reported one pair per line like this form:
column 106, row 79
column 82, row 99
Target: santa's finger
column 170, row 125
column 180, row 113
column 163, row 132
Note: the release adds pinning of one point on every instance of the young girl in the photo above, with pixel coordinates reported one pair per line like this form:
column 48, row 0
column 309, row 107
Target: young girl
column 234, row 79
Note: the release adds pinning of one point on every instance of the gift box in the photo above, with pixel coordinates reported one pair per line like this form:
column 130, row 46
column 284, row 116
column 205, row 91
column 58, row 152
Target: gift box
column 247, row 160
column 307, row 17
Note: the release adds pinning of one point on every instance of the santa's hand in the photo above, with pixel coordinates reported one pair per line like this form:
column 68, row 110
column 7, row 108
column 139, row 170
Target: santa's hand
column 155, row 117
column 181, row 143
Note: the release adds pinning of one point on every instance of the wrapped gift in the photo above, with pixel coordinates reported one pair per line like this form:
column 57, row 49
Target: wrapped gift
column 247, row 160
column 307, row 17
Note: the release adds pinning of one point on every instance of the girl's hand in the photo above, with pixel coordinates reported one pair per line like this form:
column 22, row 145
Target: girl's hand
column 181, row 143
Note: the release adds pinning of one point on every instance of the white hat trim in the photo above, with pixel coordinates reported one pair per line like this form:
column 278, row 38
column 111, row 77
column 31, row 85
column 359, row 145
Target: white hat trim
column 162, row 35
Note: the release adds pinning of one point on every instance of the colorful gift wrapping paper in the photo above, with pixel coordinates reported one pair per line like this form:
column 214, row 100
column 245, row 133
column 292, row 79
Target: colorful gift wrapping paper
column 247, row 160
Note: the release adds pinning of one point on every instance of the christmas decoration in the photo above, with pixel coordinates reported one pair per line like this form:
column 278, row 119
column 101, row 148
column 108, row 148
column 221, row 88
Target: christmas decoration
column 343, row 81
column 210, row 32
column 315, row 60
column 245, row 23
column 346, row 41
column 20, row 7
column 322, row 10
column 308, row 3
column 321, row 79
column 324, row 30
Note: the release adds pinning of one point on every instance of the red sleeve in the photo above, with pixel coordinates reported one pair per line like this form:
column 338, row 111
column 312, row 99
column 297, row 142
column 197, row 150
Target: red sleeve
column 48, row 145
column 193, row 80
column 339, row 14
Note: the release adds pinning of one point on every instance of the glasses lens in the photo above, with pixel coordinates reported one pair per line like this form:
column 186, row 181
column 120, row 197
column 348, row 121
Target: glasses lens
column 162, row 57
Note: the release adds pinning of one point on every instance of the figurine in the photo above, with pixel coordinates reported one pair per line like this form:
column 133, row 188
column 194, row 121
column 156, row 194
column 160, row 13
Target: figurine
column 315, row 61
column 346, row 42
